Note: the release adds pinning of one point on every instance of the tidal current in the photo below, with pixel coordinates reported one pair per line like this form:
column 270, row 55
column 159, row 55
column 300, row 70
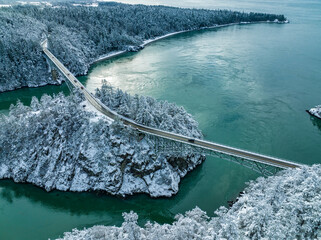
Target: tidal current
column 248, row 86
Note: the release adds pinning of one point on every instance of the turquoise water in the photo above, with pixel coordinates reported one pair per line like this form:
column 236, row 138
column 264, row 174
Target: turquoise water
column 248, row 86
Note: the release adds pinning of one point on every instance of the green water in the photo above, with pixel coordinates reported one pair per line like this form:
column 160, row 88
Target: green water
column 247, row 86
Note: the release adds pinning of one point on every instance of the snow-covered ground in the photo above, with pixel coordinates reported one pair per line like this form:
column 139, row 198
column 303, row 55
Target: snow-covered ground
column 35, row 3
column 85, row 5
column 146, row 42
column 109, row 55
column 96, row 114
column 316, row 111
column 77, row 47
column 286, row 206
column 149, row 41
column 63, row 143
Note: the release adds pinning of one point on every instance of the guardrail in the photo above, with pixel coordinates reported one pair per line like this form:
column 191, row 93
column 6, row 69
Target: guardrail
column 211, row 146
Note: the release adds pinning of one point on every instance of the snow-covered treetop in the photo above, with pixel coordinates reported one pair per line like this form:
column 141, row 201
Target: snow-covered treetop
column 61, row 143
column 147, row 111
column 78, row 35
column 286, row 206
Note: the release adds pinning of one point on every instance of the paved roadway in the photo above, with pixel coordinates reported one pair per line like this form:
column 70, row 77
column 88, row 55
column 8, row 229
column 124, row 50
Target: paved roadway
column 259, row 158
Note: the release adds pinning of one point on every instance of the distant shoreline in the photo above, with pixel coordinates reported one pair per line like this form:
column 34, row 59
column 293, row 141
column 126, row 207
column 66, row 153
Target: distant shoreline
column 149, row 41
column 111, row 55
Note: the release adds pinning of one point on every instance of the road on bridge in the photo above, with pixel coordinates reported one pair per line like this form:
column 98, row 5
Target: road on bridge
column 255, row 157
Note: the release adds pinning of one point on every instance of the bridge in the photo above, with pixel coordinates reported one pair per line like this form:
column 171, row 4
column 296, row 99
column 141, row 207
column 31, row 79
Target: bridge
column 264, row 164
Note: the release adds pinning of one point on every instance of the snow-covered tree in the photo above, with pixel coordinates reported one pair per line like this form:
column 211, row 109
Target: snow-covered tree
column 57, row 143
column 78, row 34
column 285, row 206
column 148, row 111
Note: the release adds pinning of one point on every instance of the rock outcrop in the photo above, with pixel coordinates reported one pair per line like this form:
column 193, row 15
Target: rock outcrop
column 60, row 143
column 316, row 111
column 286, row 206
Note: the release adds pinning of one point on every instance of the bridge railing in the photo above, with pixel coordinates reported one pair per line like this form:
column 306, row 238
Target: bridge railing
column 218, row 149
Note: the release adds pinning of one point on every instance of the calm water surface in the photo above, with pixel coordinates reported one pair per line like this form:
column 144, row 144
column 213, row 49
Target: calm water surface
column 247, row 86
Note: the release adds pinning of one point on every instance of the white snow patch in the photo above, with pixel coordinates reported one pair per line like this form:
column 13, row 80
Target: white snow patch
column 85, row 5
column 35, row 3
column 109, row 55
column 3, row 170
column 98, row 115
column 316, row 111
column 148, row 41
column 130, row 182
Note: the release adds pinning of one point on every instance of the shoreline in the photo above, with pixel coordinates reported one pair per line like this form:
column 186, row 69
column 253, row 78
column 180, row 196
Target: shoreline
column 113, row 54
column 149, row 41
column 315, row 112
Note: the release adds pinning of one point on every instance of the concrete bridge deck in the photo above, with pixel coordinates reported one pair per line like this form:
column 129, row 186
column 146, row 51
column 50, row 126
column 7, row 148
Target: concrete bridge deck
column 210, row 146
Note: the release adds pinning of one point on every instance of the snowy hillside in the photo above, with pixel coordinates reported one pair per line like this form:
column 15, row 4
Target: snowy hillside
column 57, row 144
column 287, row 206
column 78, row 35
column 147, row 111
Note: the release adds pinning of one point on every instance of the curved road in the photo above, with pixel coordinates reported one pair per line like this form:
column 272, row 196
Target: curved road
column 259, row 158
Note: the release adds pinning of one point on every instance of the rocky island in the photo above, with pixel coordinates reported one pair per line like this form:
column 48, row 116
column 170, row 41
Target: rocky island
column 62, row 143
column 316, row 111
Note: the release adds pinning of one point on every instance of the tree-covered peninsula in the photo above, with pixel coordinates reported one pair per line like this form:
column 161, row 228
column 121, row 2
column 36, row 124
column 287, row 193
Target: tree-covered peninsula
column 62, row 143
column 286, row 206
column 78, row 35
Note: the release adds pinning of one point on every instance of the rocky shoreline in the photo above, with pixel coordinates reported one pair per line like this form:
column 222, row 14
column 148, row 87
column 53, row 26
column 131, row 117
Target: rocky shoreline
column 316, row 111
column 78, row 41
column 149, row 41
column 61, row 143
column 285, row 206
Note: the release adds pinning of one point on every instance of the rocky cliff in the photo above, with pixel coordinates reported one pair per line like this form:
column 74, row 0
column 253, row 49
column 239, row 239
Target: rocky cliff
column 60, row 143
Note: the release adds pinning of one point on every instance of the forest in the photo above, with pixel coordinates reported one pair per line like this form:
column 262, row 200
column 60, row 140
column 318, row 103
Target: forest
column 60, row 143
column 286, row 206
column 78, row 35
